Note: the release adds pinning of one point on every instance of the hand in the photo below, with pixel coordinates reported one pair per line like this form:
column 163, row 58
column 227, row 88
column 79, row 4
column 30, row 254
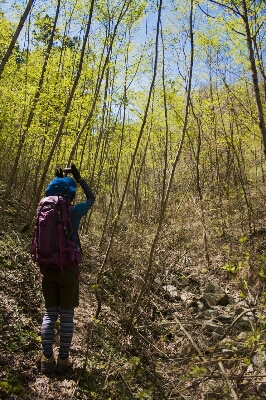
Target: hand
column 59, row 173
column 75, row 172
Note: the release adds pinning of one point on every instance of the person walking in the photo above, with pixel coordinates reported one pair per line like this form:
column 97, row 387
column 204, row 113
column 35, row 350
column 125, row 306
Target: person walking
column 60, row 287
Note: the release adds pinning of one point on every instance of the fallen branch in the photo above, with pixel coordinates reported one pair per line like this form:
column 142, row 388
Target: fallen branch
column 234, row 322
column 220, row 364
column 232, row 390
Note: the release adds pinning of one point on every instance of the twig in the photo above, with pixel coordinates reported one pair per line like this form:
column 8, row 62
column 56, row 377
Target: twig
column 229, row 384
column 220, row 364
column 152, row 345
column 127, row 386
column 190, row 339
column 108, row 368
column 89, row 334
column 235, row 320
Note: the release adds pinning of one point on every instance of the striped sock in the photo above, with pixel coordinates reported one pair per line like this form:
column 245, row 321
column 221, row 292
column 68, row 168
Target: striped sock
column 66, row 331
column 47, row 330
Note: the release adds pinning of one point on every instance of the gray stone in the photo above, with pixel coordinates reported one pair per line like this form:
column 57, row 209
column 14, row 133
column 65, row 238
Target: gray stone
column 250, row 315
column 228, row 341
column 192, row 303
column 244, row 323
column 239, row 310
column 215, row 337
column 242, row 349
column 242, row 336
column 171, row 291
column 225, row 318
column 250, row 369
column 262, row 388
column 214, row 327
column 228, row 352
column 258, row 360
column 211, row 314
column 214, row 299
column 213, row 287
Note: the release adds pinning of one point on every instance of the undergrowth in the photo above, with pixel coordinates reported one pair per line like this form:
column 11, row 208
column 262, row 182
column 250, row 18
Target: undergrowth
column 166, row 353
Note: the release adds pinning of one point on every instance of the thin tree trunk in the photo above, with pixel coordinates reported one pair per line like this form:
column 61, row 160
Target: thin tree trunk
column 199, row 189
column 166, row 125
column 130, row 167
column 261, row 66
column 35, row 102
column 118, row 158
column 254, row 75
column 146, row 279
column 62, row 122
column 15, row 36
column 99, row 82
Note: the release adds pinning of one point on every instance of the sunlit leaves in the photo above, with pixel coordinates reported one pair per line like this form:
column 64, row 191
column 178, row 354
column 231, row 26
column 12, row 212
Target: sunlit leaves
column 220, row 59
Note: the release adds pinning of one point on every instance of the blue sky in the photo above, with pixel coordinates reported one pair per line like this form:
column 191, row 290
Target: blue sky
column 5, row 5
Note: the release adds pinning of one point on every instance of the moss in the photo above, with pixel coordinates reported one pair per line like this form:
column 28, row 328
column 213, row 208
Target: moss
column 11, row 386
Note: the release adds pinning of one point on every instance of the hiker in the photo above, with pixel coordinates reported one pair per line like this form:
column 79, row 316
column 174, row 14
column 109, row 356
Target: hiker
column 61, row 286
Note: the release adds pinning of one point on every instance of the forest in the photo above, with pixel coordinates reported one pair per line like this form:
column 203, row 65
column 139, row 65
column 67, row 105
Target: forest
column 161, row 105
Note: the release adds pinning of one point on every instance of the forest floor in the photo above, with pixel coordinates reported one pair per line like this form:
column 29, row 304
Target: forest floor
column 188, row 343
column 22, row 310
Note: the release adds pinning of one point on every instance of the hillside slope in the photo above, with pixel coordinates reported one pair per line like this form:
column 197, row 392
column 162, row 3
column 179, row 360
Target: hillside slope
column 199, row 335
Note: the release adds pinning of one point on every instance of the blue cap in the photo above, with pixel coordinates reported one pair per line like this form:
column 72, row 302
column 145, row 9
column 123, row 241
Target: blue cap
column 62, row 186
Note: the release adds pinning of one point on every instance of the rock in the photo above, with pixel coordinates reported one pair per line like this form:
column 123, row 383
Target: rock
column 211, row 314
column 244, row 323
column 187, row 296
column 192, row 303
column 250, row 315
column 242, row 303
column 214, row 299
column 213, row 287
column 250, row 369
column 239, row 310
column 225, row 318
column 201, row 306
column 241, row 348
column 214, row 295
column 214, row 327
column 171, row 291
column 228, row 352
column 215, row 337
column 258, row 360
column 261, row 388
column 227, row 341
column 242, row 336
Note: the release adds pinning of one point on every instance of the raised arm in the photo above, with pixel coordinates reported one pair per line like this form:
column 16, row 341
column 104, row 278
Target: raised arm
column 86, row 189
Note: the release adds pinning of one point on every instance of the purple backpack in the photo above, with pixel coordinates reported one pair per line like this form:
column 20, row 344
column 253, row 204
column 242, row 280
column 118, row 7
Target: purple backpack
column 52, row 247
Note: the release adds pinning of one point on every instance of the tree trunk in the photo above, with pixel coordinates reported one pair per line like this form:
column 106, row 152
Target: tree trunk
column 99, row 82
column 254, row 75
column 130, row 167
column 15, row 36
column 62, row 123
column 148, row 272
column 35, row 102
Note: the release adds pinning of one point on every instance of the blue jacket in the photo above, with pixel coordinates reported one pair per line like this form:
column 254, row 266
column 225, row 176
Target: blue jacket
column 68, row 186
column 80, row 210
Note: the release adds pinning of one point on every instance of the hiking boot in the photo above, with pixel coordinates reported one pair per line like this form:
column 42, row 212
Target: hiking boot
column 63, row 365
column 47, row 364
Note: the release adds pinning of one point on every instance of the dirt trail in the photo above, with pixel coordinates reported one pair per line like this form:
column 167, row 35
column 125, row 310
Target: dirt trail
column 62, row 387
column 20, row 348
